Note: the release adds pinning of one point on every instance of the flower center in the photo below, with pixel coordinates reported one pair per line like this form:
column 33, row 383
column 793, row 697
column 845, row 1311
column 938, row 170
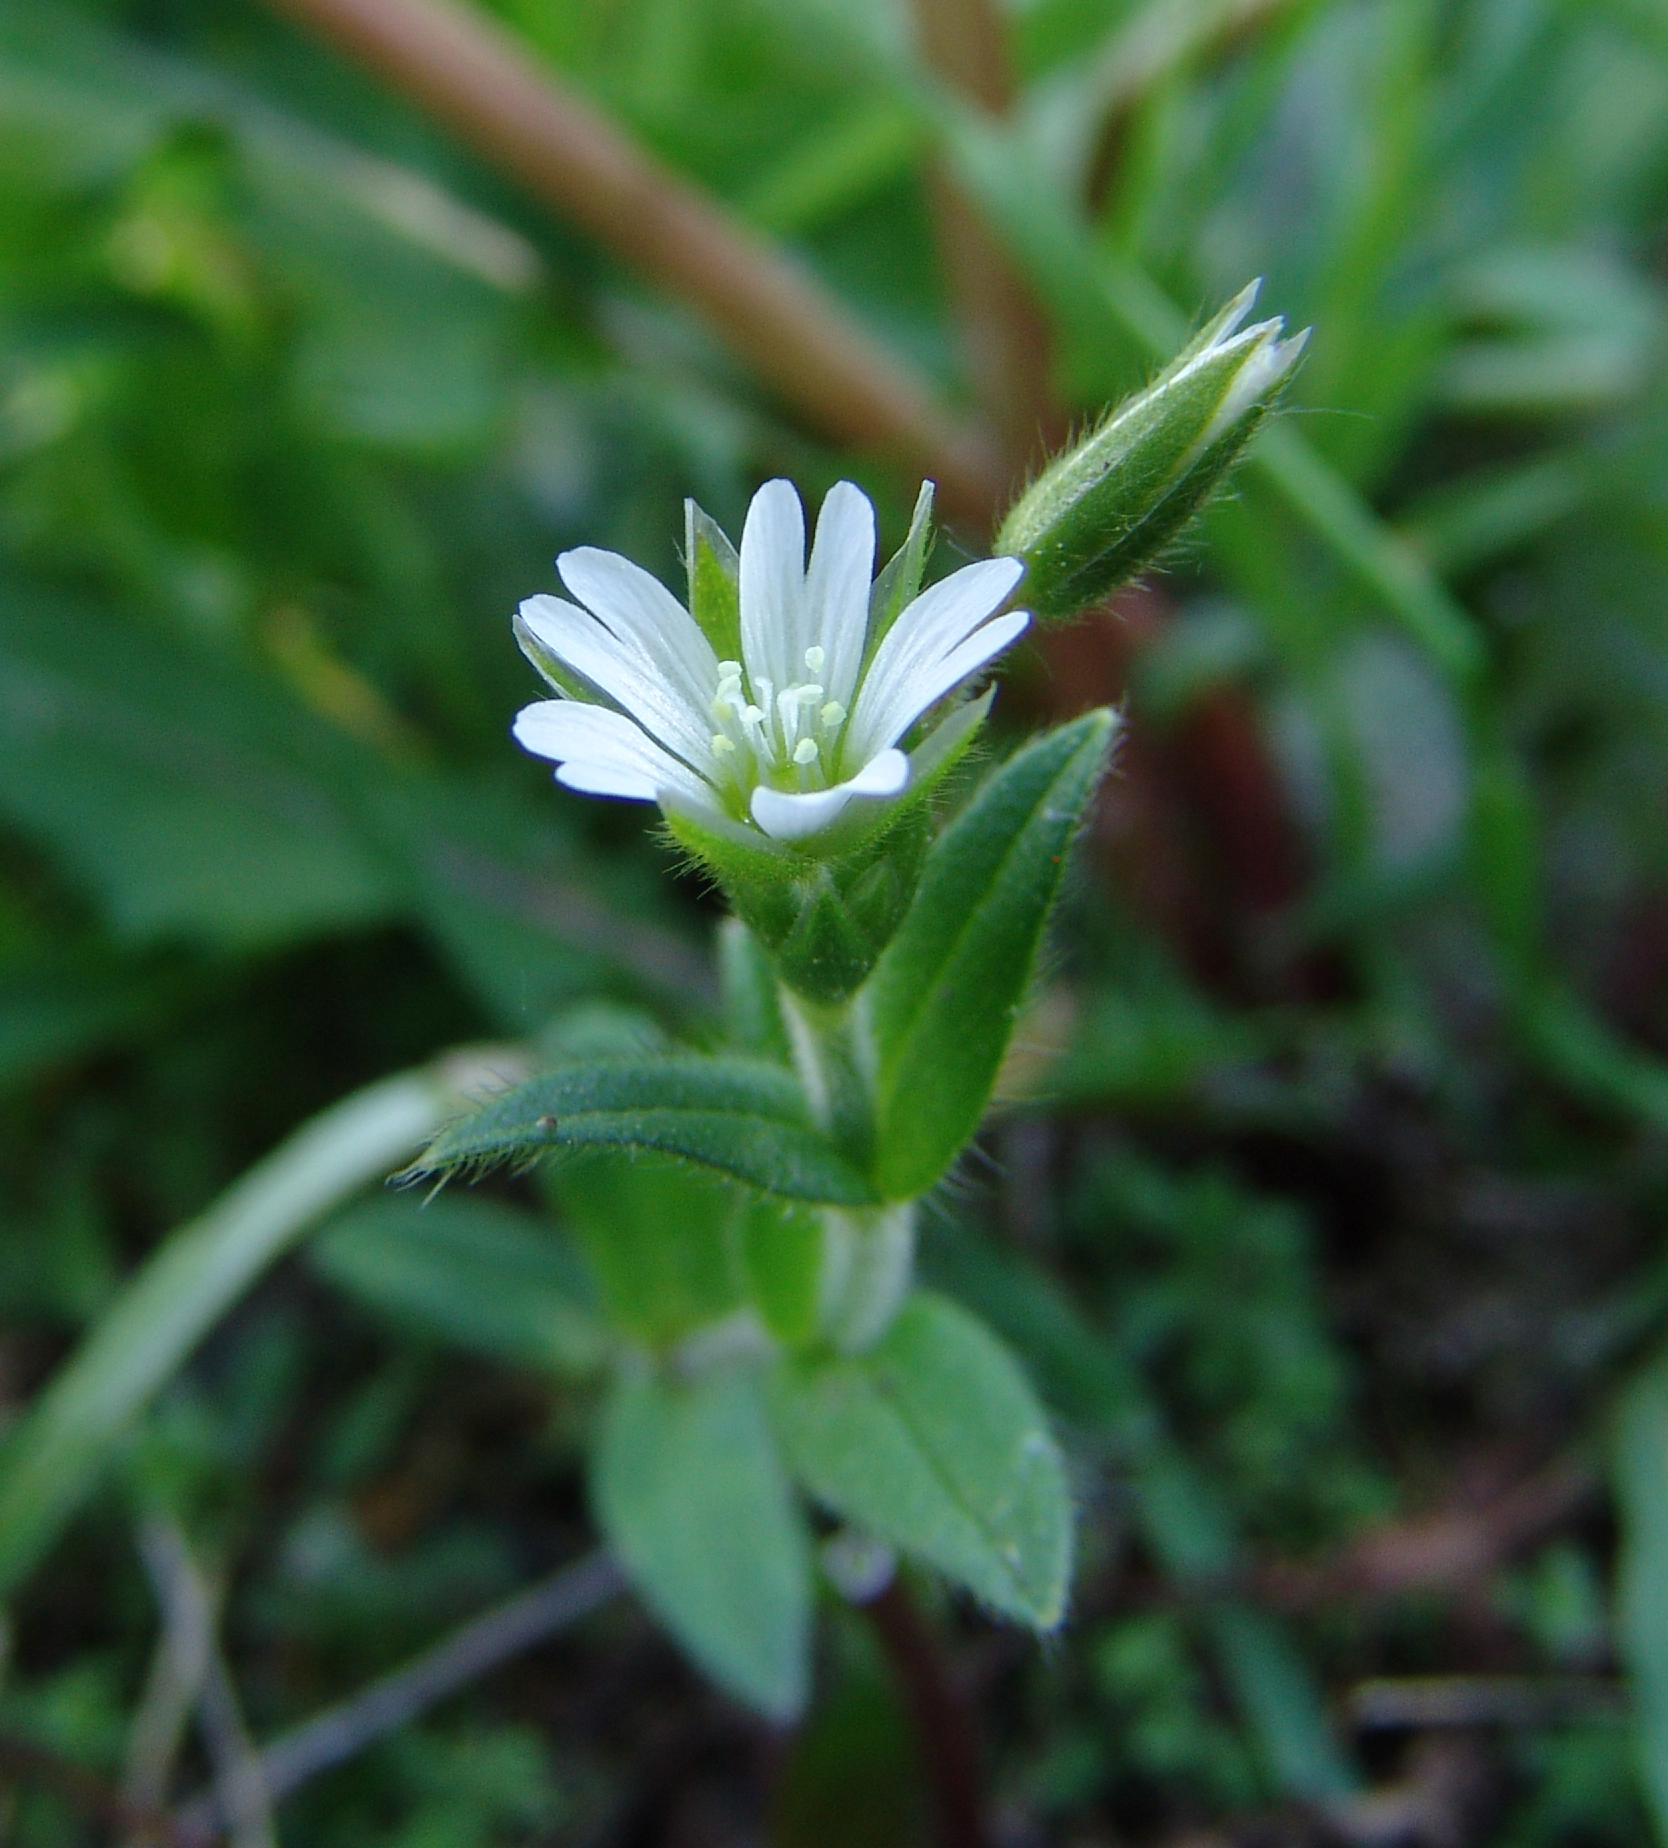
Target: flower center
column 788, row 737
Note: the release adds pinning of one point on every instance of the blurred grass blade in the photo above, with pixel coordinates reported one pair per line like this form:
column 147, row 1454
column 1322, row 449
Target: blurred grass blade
column 1279, row 1696
column 1640, row 1456
column 1110, row 306
column 53, row 1456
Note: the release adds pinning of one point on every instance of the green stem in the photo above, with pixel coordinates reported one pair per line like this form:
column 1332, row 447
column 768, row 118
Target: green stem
column 832, row 1058
column 868, row 1254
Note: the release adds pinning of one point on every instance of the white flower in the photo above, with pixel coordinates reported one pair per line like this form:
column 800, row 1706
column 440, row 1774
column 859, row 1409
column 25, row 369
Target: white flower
column 784, row 739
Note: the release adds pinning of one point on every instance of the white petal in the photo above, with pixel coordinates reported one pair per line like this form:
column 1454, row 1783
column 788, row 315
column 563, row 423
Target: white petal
column 772, row 589
column 837, row 587
column 927, row 629
column 792, row 817
column 620, row 671
column 640, row 612
column 932, row 683
column 601, row 752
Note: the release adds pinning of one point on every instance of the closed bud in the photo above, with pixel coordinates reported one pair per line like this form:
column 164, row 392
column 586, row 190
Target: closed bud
column 1105, row 509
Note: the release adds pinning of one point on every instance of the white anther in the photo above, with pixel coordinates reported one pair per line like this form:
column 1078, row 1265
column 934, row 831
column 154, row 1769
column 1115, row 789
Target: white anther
column 805, row 752
column 833, row 714
column 722, row 746
column 814, row 658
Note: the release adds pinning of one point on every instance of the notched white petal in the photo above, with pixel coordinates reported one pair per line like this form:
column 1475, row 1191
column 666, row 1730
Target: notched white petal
column 772, row 584
column 622, row 674
column 837, row 585
column 638, row 610
column 795, row 815
column 601, row 752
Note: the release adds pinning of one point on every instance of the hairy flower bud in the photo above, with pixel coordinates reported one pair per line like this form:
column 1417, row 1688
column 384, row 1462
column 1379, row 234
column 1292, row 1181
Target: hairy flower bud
column 1105, row 509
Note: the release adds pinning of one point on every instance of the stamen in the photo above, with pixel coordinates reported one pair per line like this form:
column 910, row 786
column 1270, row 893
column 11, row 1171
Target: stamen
column 833, row 714
column 723, row 746
column 814, row 658
column 805, row 752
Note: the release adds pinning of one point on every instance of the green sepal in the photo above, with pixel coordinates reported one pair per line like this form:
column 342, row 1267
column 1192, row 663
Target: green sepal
column 933, row 1441
column 944, row 997
column 822, row 920
column 899, row 583
column 824, row 915
column 550, row 668
column 687, row 1486
column 714, row 582
column 742, row 1117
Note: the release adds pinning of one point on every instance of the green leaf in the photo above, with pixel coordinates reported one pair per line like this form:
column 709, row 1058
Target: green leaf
column 933, row 1441
column 1090, row 1380
column 660, row 1235
column 477, row 1274
column 688, row 1488
column 780, row 1250
column 947, row 990
column 1641, row 1467
column 744, row 1118
column 66, row 1004
column 752, row 1007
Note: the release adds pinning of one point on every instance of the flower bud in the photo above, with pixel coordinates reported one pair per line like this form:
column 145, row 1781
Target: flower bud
column 1104, row 510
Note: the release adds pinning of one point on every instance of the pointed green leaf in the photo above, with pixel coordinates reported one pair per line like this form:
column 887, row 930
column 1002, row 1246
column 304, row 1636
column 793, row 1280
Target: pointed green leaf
column 472, row 1272
column 744, row 1118
column 947, row 989
column 687, row 1486
column 933, row 1441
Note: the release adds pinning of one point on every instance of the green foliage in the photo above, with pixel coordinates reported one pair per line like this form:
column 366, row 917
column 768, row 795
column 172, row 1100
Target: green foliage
column 1641, row 1607
column 661, row 1238
column 493, row 1281
column 1349, row 1176
column 689, row 1491
column 932, row 1441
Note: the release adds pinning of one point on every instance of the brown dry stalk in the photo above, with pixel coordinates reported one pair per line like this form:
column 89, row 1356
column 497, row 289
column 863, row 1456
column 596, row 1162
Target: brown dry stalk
column 1004, row 332
column 469, row 73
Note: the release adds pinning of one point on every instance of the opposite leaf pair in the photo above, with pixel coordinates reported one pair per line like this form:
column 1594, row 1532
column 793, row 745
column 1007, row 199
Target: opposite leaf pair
column 935, row 1018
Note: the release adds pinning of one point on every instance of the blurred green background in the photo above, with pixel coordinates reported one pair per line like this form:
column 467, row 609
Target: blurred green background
column 1332, row 1221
